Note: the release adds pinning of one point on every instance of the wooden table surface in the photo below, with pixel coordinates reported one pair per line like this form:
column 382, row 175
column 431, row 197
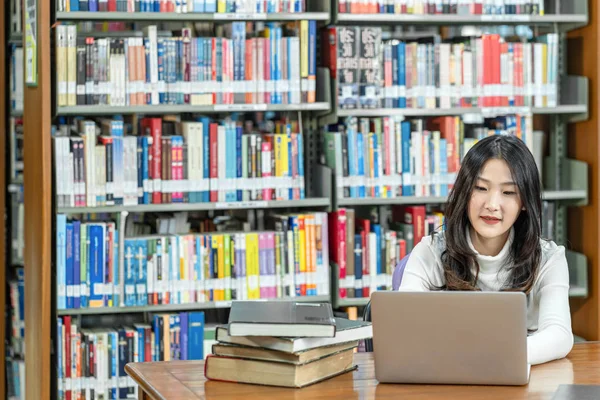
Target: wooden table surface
column 184, row 380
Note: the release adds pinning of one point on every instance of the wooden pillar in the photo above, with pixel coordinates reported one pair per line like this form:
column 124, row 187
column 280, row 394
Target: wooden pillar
column 584, row 144
column 38, row 211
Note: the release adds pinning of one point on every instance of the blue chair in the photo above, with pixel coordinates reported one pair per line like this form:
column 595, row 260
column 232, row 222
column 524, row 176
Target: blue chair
column 396, row 282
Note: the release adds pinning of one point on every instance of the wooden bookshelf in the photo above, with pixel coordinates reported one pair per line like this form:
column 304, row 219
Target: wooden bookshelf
column 3, row 267
column 40, row 302
column 38, row 218
column 584, row 142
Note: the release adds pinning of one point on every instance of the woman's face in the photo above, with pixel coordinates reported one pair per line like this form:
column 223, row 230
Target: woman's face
column 495, row 203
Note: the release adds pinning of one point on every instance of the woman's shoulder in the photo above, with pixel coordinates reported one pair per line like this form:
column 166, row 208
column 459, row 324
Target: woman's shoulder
column 550, row 250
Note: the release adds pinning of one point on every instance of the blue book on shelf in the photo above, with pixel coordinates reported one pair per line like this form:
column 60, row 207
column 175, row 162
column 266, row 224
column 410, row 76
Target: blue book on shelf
column 196, row 335
column 376, row 161
column 116, row 269
column 184, row 335
column 402, row 74
column 59, row 353
column 238, row 158
column 156, row 327
column 61, row 261
column 205, row 156
column 96, row 271
column 160, row 50
column 141, row 332
column 114, row 363
column 358, row 257
column 76, row 264
column 145, row 173
column 69, row 264
column 407, row 190
column 129, row 273
column 301, row 162
column 360, row 145
column 198, row 5
column 74, row 5
column 443, row 165
column 142, row 272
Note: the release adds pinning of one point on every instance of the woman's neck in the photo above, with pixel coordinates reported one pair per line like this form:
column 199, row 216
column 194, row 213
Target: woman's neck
column 488, row 247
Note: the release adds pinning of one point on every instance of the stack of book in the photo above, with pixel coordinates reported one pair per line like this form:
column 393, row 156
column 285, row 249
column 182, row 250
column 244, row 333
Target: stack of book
column 284, row 344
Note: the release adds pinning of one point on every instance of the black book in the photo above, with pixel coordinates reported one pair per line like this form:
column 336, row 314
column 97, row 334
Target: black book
column 281, row 319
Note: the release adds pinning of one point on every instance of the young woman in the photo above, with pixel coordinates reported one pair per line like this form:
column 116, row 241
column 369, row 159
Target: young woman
column 492, row 242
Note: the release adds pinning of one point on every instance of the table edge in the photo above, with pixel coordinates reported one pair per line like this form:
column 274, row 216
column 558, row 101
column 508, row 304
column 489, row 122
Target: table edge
column 144, row 385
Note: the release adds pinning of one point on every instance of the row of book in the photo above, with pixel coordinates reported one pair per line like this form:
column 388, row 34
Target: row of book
column 185, row 6
column 16, row 78
column 430, row 7
column 392, row 157
column 274, row 64
column 486, row 71
column 172, row 161
column 290, row 260
column 91, row 362
column 16, row 317
column 15, row 378
column 366, row 252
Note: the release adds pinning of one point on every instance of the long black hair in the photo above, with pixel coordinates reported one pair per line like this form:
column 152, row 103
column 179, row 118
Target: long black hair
column 525, row 252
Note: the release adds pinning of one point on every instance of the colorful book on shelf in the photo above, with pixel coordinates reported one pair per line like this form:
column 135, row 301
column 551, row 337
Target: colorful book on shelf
column 178, row 162
column 102, row 353
column 248, row 7
column 431, row 7
column 391, row 157
column 486, row 71
column 194, row 268
column 242, row 67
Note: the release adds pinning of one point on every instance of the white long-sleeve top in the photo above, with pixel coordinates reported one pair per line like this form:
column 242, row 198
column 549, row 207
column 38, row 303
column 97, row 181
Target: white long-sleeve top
column 548, row 312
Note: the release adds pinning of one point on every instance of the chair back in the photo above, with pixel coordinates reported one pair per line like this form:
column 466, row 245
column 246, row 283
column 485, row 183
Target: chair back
column 396, row 281
column 399, row 272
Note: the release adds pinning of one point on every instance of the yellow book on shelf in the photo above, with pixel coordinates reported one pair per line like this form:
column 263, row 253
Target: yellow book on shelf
column 222, row 6
column 252, row 267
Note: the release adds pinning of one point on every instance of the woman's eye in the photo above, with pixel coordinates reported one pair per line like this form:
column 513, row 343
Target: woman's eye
column 510, row 193
column 480, row 188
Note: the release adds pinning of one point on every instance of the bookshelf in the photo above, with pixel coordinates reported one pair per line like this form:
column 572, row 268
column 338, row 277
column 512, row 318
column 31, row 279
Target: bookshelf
column 4, row 90
column 565, row 176
column 41, row 110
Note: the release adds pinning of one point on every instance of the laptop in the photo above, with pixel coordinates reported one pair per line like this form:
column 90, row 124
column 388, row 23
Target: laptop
column 471, row 338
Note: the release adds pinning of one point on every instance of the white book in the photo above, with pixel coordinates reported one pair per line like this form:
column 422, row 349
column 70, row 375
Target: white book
column 62, row 66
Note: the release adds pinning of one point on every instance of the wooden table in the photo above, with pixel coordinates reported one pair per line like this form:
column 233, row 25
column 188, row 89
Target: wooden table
column 184, row 380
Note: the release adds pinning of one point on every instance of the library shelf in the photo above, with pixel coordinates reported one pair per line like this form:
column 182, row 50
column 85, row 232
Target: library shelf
column 454, row 19
column 554, row 195
column 177, row 207
column 91, row 110
column 482, row 111
column 178, row 307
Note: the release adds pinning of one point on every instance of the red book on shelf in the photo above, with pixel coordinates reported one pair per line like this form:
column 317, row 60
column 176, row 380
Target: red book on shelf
column 337, row 244
column 214, row 158
column 413, row 215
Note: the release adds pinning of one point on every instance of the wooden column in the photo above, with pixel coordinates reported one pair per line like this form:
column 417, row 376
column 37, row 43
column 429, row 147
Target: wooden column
column 584, row 144
column 3, row 134
column 38, row 221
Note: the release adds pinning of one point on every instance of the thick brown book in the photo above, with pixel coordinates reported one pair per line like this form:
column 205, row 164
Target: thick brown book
column 299, row 358
column 256, row 372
